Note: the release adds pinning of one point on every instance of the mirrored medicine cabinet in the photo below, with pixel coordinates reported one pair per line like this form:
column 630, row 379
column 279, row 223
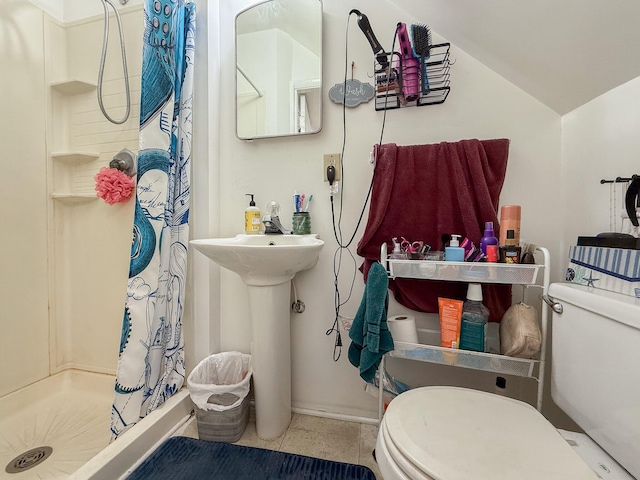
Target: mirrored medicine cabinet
column 279, row 69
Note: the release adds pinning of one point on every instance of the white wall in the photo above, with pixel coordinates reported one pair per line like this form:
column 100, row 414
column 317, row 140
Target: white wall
column 202, row 310
column 55, row 8
column 24, row 343
column 599, row 141
column 72, row 10
column 481, row 105
column 78, row 9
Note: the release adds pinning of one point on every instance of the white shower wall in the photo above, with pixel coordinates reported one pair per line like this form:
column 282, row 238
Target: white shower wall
column 24, row 343
column 92, row 239
column 64, row 262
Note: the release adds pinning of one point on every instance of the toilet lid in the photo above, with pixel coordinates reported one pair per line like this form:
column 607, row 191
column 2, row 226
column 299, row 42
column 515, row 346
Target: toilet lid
column 453, row 433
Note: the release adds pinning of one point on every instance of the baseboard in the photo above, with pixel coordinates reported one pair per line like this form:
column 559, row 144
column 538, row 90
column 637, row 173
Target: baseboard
column 334, row 416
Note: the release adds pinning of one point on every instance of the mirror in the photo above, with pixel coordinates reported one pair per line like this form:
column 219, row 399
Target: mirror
column 279, row 69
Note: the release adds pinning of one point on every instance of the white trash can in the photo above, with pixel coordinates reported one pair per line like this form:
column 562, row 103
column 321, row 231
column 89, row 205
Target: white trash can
column 219, row 387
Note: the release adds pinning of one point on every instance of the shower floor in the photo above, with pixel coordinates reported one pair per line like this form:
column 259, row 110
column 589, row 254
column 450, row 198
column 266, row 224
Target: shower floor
column 69, row 412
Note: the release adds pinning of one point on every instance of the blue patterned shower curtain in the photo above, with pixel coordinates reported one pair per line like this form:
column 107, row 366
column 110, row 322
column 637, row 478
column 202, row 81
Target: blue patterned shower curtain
column 151, row 362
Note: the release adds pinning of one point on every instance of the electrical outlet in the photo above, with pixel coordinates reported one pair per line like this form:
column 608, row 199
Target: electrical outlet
column 334, row 159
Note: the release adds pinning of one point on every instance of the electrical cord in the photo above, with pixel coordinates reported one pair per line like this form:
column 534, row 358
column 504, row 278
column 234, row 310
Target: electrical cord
column 337, row 229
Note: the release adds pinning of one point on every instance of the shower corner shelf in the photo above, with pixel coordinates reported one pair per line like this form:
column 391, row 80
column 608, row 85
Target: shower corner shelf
column 73, row 184
column 521, row 274
column 73, row 87
column 74, row 157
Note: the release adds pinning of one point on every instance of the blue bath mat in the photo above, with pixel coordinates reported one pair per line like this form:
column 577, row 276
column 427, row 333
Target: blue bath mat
column 183, row 458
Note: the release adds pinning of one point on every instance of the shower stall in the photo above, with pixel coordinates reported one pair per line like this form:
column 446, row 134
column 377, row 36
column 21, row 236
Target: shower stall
column 64, row 253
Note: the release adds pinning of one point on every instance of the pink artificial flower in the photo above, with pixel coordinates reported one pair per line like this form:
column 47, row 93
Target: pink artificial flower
column 113, row 185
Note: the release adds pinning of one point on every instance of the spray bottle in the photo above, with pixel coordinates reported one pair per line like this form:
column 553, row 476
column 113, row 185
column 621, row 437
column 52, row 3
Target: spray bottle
column 489, row 237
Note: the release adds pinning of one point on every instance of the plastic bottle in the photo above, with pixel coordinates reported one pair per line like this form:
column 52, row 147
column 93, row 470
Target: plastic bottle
column 489, row 237
column 473, row 329
column 492, row 253
column 397, row 253
column 252, row 220
column 454, row 252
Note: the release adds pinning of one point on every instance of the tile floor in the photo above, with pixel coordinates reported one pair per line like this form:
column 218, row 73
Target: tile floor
column 336, row 440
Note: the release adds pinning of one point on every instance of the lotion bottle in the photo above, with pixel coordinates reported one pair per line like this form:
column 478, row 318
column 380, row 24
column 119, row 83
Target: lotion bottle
column 252, row 218
column 454, row 252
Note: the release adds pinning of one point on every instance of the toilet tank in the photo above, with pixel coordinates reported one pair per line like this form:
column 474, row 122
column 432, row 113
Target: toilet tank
column 595, row 367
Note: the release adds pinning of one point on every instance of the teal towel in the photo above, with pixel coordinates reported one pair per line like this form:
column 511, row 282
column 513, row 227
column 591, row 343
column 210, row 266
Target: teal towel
column 370, row 336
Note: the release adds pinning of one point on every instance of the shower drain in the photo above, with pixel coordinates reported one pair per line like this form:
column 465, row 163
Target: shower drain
column 29, row 459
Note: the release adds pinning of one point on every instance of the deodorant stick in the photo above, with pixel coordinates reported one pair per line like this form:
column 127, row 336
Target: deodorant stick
column 510, row 220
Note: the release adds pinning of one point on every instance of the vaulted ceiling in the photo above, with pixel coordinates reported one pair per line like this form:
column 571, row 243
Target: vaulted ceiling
column 562, row 52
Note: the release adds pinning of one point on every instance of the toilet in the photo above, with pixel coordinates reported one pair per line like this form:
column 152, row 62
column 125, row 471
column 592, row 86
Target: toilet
column 451, row 433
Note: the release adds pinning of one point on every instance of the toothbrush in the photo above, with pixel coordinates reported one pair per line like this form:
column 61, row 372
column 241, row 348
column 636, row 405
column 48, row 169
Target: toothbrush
column 306, row 208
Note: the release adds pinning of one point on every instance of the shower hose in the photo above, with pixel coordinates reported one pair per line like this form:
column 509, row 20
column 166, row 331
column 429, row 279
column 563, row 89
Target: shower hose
column 124, row 63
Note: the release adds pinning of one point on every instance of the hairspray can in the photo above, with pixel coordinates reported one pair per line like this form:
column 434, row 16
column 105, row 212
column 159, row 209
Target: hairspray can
column 510, row 220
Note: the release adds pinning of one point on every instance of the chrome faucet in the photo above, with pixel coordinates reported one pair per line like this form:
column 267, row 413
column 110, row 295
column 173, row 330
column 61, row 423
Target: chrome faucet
column 271, row 220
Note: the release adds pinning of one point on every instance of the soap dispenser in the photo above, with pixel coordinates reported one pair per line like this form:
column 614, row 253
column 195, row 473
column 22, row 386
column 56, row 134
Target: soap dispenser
column 454, row 252
column 252, row 218
column 397, row 253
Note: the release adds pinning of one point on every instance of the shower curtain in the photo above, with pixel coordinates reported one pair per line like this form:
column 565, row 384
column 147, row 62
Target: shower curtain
column 151, row 361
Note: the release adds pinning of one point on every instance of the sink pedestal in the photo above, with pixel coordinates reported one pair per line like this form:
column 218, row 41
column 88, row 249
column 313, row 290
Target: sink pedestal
column 271, row 357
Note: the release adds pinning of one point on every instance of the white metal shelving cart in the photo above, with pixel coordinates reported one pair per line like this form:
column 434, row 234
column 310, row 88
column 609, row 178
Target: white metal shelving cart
column 472, row 272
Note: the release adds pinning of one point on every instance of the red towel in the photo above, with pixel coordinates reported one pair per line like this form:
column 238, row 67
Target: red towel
column 423, row 191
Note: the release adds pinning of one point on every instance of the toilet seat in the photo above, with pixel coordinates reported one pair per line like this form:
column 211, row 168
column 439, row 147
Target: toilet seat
column 396, row 464
column 451, row 433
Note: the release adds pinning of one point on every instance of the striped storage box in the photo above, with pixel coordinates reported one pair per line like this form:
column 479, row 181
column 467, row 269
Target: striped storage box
column 614, row 269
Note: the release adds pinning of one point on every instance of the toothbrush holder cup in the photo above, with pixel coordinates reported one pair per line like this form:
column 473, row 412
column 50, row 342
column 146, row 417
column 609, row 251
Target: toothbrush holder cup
column 301, row 223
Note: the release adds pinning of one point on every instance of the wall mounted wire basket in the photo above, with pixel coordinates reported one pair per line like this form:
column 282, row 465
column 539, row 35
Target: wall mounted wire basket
column 434, row 86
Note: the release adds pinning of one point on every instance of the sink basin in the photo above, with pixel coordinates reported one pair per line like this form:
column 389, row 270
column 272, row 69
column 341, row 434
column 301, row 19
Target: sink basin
column 263, row 259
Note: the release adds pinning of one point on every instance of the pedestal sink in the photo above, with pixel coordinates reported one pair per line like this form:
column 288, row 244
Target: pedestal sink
column 266, row 264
